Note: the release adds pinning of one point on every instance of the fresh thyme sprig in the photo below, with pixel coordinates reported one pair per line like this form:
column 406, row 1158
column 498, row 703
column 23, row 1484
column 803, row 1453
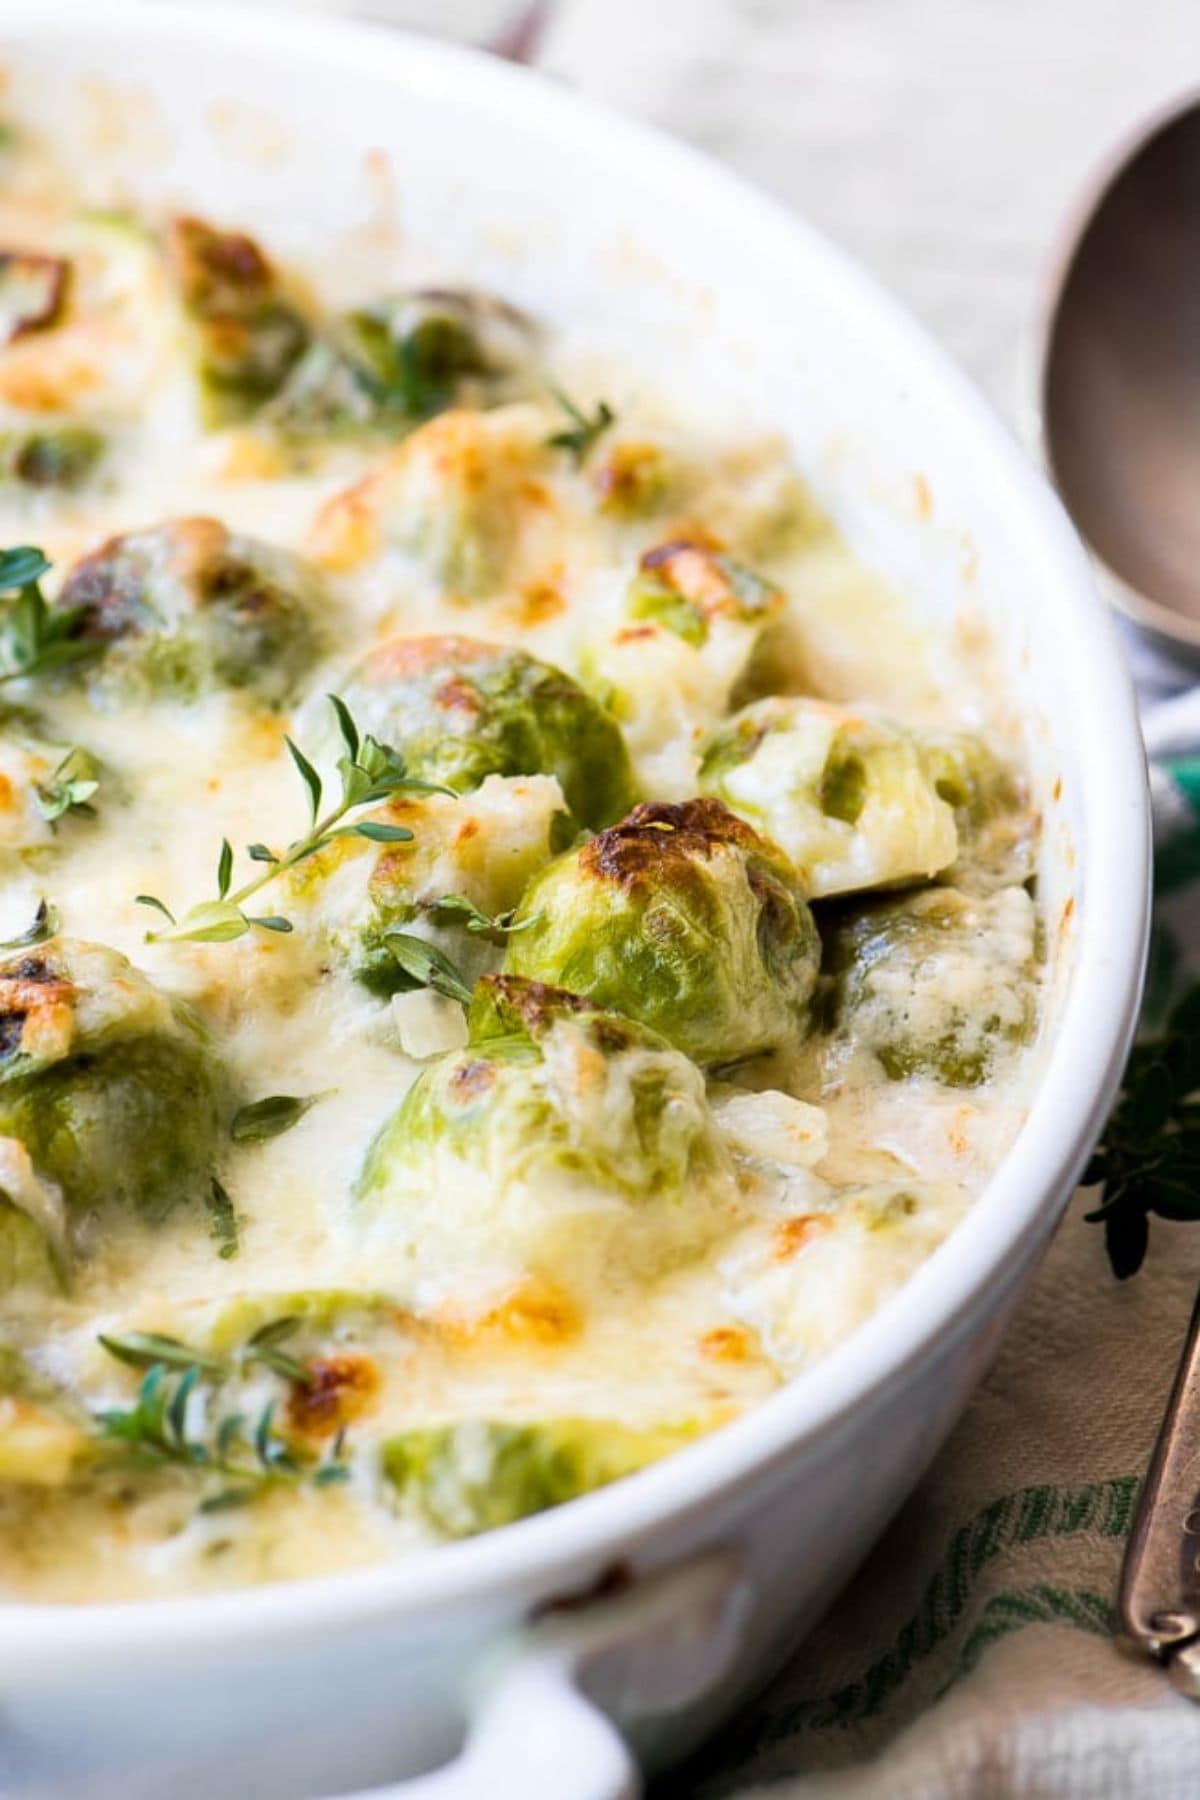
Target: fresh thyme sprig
column 1149, row 1159
column 424, row 965
column 581, row 435
column 370, row 772
column 460, row 910
column 71, row 788
column 161, row 1430
column 34, row 637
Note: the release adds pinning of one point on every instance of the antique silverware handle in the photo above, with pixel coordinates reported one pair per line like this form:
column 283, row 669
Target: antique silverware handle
column 1159, row 1598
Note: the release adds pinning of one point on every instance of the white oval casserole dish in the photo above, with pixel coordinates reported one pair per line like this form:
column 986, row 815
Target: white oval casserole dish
column 313, row 1688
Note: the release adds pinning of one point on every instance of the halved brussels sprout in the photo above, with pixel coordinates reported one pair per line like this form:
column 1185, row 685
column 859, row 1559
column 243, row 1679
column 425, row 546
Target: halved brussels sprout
column 694, row 621
column 563, row 1141
column 459, row 710
column 682, row 917
column 688, row 586
column 938, row 983
column 247, row 334
column 478, row 1474
column 111, row 1087
column 401, row 360
column 42, row 1438
column 188, row 606
column 463, row 500
column 851, row 799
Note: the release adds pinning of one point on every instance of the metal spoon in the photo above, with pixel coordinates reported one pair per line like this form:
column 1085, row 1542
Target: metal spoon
column 1121, row 422
column 1121, row 377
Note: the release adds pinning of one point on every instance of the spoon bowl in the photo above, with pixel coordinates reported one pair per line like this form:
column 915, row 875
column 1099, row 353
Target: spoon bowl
column 1121, row 376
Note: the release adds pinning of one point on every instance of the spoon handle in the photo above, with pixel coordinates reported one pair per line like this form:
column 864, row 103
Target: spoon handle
column 1159, row 1598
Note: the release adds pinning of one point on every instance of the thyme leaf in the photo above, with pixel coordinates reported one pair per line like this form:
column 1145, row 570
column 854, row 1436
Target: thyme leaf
column 423, row 965
column 143, row 1349
column 579, row 437
column 270, row 1117
column 35, row 638
column 45, row 925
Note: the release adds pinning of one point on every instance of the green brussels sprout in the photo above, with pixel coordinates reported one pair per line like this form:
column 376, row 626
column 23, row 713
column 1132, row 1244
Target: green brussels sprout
column 684, row 918
column 33, row 292
column 188, row 606
column 996, row 825
column 478, row 1474
column 247, row 335
column 564, row 1139
column 687, row 586
column 459, row 710
column 853, row 800
column 401, row 360
column 33, row 1237
column 695, row 623
column 58, row 456
column 111, row 1087
column 937, row 983
column 463, row 502
column 42, row 1435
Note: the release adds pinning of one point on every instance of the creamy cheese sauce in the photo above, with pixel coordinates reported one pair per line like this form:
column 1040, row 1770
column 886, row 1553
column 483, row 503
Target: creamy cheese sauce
column 830, row 1174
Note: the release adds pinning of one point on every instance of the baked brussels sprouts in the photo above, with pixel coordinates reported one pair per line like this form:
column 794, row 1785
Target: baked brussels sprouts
column 938, row 983
column 459, row 710
column 853, row 800
column 111, row 1087
column 461, row 506
column 563, row 1142
column 684, row 918
column 188, row 606
column 401, row 360
column 478, row 1474
column 689, row 587
column 247, row 335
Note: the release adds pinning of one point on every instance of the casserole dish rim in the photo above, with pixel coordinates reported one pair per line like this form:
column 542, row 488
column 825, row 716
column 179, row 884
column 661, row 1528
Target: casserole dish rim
column 1083, row 1061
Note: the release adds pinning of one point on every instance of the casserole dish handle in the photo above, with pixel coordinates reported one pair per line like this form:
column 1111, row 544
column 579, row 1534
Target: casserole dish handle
column 541, row 1710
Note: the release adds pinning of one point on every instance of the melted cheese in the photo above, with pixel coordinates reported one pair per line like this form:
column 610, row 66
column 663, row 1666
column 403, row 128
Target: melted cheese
column 519, row 1305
